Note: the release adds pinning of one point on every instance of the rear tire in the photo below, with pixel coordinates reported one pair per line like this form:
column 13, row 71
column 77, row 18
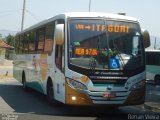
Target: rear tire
column 24, row 82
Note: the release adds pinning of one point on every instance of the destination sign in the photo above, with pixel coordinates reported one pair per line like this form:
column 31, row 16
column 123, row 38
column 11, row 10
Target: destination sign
column 102, row 28
column 86, row 51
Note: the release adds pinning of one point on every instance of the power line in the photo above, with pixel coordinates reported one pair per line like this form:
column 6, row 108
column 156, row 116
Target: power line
column 7, row 14
column 23, row 14
column 11, row 12
column 7, row 11
column 33, row 15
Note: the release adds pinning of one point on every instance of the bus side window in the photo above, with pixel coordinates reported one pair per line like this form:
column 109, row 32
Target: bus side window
column 31, row 40
column 49, row 37
column 26, row 43
column 58, row 56
column 40, row 40
column 21, row 44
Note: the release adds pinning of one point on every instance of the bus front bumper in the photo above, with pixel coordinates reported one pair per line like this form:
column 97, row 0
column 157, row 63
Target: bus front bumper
column 136, row 97
column 75, row 97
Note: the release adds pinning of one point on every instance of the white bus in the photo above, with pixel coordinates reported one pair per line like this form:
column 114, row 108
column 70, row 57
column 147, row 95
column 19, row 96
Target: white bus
column 84, row 59
column 153, row 65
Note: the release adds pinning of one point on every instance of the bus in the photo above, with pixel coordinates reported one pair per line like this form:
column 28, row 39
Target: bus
column 153, row 65
column 84, row 59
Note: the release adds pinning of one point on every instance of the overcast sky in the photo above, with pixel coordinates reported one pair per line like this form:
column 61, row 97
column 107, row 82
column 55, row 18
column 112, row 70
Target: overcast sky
column 147, row 11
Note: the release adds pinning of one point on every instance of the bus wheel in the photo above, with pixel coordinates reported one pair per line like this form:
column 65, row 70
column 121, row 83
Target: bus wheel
column 50, row 93
column 157, row 79
column 24, row 82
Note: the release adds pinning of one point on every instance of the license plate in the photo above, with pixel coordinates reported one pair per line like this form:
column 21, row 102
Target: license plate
column 109, row 95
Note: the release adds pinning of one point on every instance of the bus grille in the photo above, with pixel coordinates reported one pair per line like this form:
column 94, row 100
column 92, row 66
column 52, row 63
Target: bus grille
column 108, row 80
column 97, row 97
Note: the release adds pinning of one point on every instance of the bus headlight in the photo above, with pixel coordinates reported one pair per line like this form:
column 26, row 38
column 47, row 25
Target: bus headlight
column 138, row 85
column 75, row 84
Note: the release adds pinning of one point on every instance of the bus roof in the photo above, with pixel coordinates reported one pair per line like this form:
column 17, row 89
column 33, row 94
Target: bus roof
column 101, row 15
column 82, row 14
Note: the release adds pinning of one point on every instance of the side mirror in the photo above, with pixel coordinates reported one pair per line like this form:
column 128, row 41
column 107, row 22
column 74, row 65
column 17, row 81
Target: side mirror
column 59, row 34
column 146, row 38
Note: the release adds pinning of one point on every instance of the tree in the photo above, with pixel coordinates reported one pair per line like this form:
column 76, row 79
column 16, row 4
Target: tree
column 10, row 40
column 0, row 36
column 9, row 52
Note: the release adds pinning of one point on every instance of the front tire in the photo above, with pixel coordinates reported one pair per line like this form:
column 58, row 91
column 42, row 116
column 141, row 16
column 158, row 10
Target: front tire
column 50, row 93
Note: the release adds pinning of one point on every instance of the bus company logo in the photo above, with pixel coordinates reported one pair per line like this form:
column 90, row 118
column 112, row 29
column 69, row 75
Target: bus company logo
column 109, row 88
column 108, row 95
column 108, row 73
column 40, row 64
column 35, row 62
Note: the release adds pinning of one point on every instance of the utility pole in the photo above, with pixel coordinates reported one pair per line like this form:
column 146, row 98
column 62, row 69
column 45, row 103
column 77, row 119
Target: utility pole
column 89, row 5
column 155, row 43
column 23, row 14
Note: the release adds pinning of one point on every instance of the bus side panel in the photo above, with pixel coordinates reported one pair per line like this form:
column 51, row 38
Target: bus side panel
column 33, row 72
column 17, row 71
column 152, row 70
column 152, row 64
column 27, row 65
column 19, row 66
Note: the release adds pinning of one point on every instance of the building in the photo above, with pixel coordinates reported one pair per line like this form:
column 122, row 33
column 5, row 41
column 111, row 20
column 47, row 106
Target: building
column 3, row 47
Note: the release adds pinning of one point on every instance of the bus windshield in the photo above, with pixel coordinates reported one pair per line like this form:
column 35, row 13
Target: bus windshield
column 105, row 44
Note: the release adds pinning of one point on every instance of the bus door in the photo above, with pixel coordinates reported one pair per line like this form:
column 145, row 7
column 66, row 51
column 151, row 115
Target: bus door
column 59, row 82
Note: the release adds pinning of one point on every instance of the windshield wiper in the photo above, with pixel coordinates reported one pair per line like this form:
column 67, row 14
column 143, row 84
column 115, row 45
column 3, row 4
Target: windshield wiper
column 92, row 64
column 92, row 61
column 119, row 55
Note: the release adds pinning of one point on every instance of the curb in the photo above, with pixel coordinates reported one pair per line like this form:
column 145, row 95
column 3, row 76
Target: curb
column 153, row 106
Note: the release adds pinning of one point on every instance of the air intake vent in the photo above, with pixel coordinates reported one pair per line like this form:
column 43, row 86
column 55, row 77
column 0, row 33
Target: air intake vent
column 122, row 14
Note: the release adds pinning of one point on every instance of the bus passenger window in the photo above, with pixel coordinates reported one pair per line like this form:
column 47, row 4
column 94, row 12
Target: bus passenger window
column 31, row 39
column 21, row 44
column 26, row 43
column 40, row 40
column 49, row 35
